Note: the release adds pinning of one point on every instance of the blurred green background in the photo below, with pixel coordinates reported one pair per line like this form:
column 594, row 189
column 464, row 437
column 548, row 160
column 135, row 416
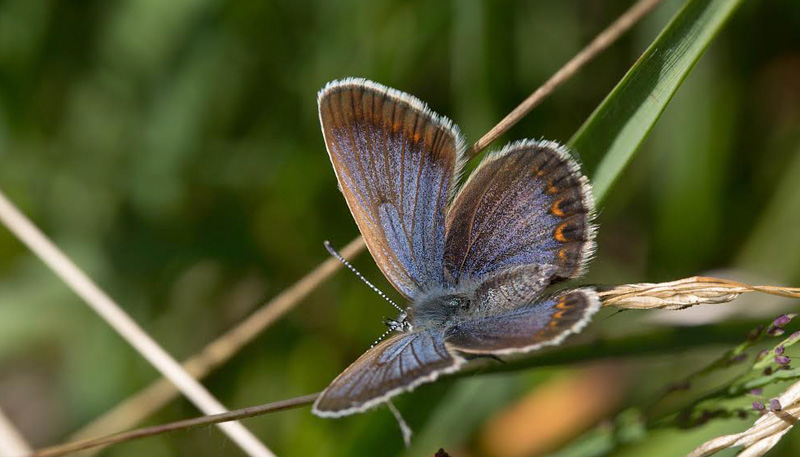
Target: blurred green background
column 172, row 148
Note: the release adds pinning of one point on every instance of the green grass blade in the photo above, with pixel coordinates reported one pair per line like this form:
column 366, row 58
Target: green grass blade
column 622, row 121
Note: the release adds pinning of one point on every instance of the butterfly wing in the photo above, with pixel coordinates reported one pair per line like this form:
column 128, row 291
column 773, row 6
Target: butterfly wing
column 526, row 204
column 396, row 365
column 511, row 288
column 395, row 161
column 525, row 328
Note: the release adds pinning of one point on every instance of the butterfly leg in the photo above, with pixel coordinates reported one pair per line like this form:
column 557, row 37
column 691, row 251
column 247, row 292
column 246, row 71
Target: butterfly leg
column 404, row 428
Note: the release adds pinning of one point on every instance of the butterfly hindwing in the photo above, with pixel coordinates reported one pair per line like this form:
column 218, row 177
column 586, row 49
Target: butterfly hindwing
column 525, row 328
column 393, row 366
column 396, row 162
column 511, row 288
column 527, row 204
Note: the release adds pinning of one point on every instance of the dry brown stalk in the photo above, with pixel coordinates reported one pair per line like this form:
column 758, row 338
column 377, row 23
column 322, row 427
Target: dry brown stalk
column 243, row 413
column 683, row 293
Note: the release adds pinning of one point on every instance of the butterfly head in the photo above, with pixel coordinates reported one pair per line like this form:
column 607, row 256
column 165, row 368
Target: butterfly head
column 401, row 324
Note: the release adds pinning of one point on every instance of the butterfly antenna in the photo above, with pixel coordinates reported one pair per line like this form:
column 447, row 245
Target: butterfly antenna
column 344, row 261
column 380, row 338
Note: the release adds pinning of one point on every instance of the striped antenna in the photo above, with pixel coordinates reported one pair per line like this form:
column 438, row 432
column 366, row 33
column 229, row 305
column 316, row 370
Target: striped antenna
column 380, row 338
column 344, row 261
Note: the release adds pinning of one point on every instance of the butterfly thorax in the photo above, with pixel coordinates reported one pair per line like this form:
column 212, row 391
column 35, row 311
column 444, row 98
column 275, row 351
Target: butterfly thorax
column 441, row 309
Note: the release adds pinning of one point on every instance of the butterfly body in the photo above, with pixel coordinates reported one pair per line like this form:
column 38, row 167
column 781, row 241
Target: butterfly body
column 441, row 309
column 473, row 263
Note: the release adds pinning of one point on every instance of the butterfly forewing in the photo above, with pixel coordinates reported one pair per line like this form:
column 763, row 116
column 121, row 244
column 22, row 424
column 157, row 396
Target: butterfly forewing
column 525, row 205
column 397, row 364
column 526, row 328
column 396, row 162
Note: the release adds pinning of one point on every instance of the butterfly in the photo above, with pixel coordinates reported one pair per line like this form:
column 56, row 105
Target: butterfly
column 473, row 263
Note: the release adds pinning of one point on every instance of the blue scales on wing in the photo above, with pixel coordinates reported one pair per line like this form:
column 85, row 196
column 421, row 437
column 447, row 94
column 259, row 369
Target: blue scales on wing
column 393, row 366
column 525, row 328
column 527, row 204
column 396, row 162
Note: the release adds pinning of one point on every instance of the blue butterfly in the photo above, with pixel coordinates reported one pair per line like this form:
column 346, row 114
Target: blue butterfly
column 472, row 263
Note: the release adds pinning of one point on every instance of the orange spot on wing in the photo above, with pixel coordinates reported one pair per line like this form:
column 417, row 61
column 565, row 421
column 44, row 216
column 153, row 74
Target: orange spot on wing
column 551, row 189
column 417, row 137
column 562, row 254
column 555, row 208
column 560, row 234
column 562, row 304
column 396, row 127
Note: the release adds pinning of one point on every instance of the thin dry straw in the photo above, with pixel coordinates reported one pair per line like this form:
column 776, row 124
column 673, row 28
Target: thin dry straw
column 101, row 303
column 683, row 293
column 713, row 290
column 142, row 405
column 11, row 441
column 179, row 425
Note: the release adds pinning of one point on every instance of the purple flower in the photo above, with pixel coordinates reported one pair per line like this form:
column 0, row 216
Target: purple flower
column 782, row 360
column 780, row 349
column 762, row 354
column 775, row 405
column 756, row 392
column 775, row 331
column 758, row 406
column 783, row 319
